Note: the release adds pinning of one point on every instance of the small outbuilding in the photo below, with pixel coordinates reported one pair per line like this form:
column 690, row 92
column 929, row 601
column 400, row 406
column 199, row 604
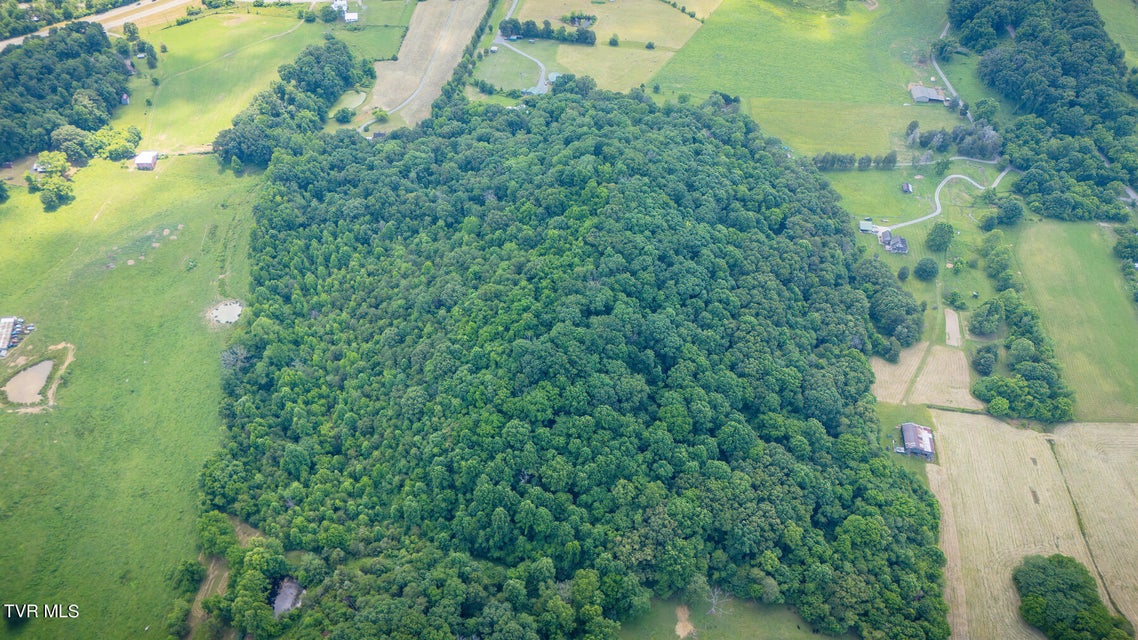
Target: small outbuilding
column 124, row 100
column 918, row 440
column 906, row 187
column 493, row 49
column 865, row 226
column 350, row 17
column 146, row 161
column 922, row 94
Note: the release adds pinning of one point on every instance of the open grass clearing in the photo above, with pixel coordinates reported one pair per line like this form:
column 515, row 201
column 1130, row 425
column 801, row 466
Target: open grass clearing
column 508, row 69
column 890, row 417
column 945, row 380
column 374, row 42
column 893, row 379
column 1008, row 499
column 961, row 72
column 1073, row 278
column 812, row 126
column 740, row 620
column 632, row 20
column 213, row 68
column 1098, row 461
column 860, row 60
column 614, row 68
column 97, row 494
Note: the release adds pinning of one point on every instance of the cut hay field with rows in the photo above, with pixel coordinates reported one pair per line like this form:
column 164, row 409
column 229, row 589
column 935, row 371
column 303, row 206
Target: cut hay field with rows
column 1098, row 461
column 1007, row 499
column 944, row 380
column 892, row 379
column 1073, row 279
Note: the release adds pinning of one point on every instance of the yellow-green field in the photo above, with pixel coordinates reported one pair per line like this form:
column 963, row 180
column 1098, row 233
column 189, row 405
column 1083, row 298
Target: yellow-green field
column 213, row 68
column 740, row 620
column 97, row 495
column 1121, row 18
column 1073, row 279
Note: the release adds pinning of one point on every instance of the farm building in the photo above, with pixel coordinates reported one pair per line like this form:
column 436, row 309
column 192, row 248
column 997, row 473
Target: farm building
column 918, row 440
column 146, row 160
column 865, row 226
column 906, row 187
column 351, row 17
column 493, row 49
column 885, row 237
column 124, row 100
column 922, row 93
column 898, row 245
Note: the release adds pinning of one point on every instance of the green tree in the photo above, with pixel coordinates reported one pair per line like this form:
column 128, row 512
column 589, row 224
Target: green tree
column 985, row 109
column 344, row 115
column 926, row 269
column 55, row 192
column 328, row 14
column 941, row 167
column 614, row 41
column 3, row 193
column 1059, row 597
column 130, row 31
column 940, row 236
column 903, row 273
column 215, row 533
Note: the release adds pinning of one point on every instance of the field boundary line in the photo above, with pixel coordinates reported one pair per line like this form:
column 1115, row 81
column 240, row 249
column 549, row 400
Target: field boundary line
column 1082, row 528
column 917, row 373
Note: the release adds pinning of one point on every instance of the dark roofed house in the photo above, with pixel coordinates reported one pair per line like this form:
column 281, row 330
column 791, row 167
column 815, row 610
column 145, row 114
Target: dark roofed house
column 885, row 237
column 918, row 440
column 898, row 245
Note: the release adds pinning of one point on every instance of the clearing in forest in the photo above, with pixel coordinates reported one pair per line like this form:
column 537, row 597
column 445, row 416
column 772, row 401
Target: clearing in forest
column 1007, row 499
column 1073, row 279
column 945, row 380
column 892, row 380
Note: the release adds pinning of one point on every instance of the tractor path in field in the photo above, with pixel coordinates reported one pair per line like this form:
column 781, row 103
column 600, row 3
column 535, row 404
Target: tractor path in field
column 936, row 196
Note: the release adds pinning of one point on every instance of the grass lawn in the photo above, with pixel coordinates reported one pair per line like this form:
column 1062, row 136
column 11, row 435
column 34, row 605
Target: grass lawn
column 1073, row 279
column 857, row 63
column 961, row 72
column 374, row 42
column 213, row 68
column 508, row 69
column 1121, row 18
column 740, row 620
column 97, row 495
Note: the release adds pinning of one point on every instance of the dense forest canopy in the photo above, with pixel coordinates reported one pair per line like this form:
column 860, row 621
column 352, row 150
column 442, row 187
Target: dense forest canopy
column 19, row 18
column 1054, row 60
column 71, row 77
column 1059, row 597
column 514, row 371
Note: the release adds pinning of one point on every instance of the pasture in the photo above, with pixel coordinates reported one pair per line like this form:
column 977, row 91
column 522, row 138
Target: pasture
column 961, row 72
column 211, row 71
column 380, row 30
column 98, row 494
column 1073, row 278
column 1121, row 22
column 740, row 620
column 510, row 70
column 635, row 21
column 857, row 63
column 1007, row 499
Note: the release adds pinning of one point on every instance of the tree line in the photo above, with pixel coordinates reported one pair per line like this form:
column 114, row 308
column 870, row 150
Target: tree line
column 70, row 77
column 1077, row 147
column 513, row 372
column 17, row 19
column 511, row 27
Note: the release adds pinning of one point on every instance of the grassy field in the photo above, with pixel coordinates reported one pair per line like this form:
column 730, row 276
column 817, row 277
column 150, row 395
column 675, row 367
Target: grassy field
column 739, row 621
column 844, row 87
column 632, row 20
column 1121, row 18
column 213, row 68
column 97, row 495
column 509, row 70
column 1073, row 278
column 891, row 416
column 961, row 72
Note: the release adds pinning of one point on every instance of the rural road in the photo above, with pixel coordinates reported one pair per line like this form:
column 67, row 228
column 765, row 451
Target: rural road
column 936, row 196
column 542, row 86
column 113, row 18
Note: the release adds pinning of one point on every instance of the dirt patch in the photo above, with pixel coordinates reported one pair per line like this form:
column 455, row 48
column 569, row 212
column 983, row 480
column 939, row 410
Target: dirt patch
column 952, row 328
column 216, row 577
column 24, row 387
column 49, row 401
column 945, row 380
column 225, row 313
column 985, row 496
column 439, row 31
column 684, row 626
column 892, row 380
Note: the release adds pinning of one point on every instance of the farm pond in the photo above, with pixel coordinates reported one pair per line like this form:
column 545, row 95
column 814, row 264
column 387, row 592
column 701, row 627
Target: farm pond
column 24, row 387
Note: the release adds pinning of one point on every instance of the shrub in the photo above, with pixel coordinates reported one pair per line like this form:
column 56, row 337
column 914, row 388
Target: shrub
column 926, row 269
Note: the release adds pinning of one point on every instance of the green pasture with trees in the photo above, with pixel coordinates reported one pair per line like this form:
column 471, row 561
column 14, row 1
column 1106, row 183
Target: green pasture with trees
column 842, row 90
column 97, row 494
column 1059, row 597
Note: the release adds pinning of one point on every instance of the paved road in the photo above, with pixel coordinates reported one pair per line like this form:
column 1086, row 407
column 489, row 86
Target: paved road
column 936, row 196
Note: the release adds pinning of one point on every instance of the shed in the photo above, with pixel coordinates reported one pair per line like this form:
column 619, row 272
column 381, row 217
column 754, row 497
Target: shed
column 493, row 49
column 906, row 187
column 351, row 17
column 146, row 161
column 922, row 93
column 918, row 440
column 125, row 99
column 865, row 226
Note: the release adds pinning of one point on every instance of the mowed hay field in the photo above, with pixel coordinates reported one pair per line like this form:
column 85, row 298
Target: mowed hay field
column 1099, row 461
column 1073, row 279
column 1008, row 500
column 211, row 71
column 843, row 87
column 944, row 380
column 97, row 495
column 892, row 380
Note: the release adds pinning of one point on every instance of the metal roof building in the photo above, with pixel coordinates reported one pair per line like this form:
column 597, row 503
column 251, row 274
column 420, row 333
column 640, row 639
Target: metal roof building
column 918, row 440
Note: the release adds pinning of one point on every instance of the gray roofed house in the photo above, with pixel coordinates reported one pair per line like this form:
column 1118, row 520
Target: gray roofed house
column 918, row 440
